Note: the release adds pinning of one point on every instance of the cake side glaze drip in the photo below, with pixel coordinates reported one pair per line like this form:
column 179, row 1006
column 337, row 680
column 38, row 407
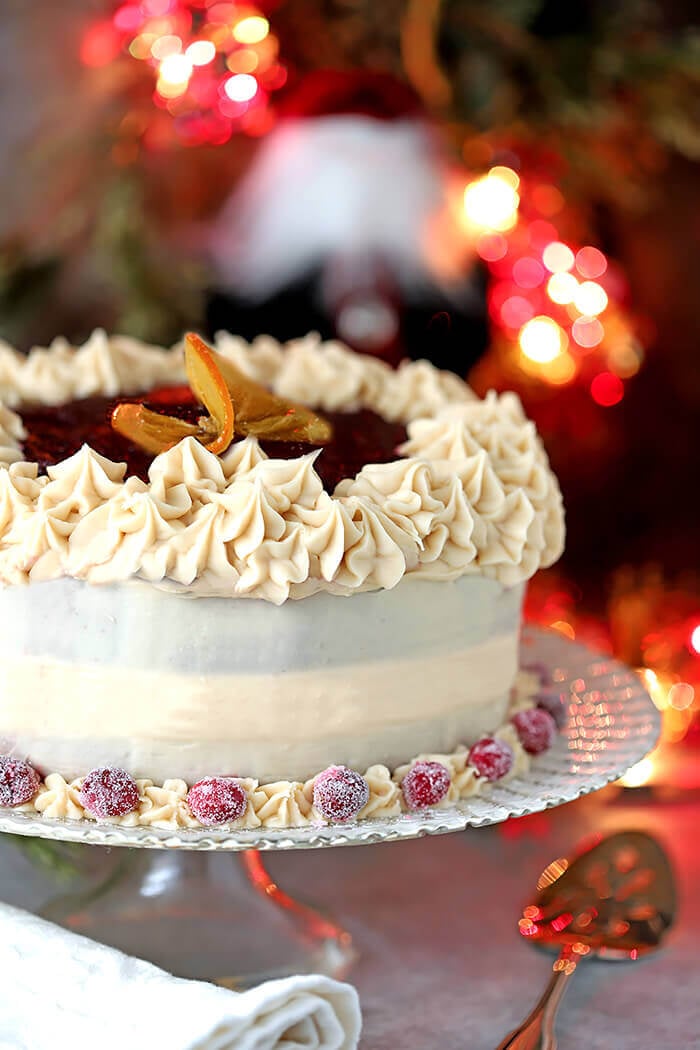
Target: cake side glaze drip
column 474, row 493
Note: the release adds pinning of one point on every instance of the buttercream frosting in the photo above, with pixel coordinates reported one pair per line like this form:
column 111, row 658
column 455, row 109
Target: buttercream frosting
column 473, row 494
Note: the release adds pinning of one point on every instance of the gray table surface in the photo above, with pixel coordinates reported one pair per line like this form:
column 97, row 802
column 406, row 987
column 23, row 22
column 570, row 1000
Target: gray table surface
column 441, row 966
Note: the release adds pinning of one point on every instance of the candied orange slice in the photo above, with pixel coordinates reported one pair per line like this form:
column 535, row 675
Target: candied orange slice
column 150, row 430
column 209, row 387
column 264, row 415
column 231, row 398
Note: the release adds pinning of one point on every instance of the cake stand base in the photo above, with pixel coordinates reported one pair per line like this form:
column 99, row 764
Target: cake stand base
column 204, row 915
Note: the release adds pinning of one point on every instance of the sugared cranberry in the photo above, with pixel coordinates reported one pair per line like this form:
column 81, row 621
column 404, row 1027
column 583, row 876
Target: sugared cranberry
column 19, row 782
column 554, row 704
column 425, row 784
column 340, row 793
column 217, row 800
column 109, row 792
column 491, row 758
column 536, row 729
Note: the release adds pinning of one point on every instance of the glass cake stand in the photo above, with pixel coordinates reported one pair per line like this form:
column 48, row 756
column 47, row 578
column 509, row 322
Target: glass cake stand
column 179, row 899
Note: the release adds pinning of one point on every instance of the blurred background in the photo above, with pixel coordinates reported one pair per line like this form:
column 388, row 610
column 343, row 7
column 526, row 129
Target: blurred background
column 508, row 188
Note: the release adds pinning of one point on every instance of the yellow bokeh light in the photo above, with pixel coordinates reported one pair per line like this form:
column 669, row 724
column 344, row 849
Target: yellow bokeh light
column 542, row 339
column 175, row 70
column 491, row 203
column 562, row 288
column 590, row 298
column 166, row 45
column 244, row 60
column 558, row 257
column 561, row 370
column 251, row 30
column 201, row 52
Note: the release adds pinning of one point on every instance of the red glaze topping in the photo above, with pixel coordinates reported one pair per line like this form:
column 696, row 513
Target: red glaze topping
column 19, row 782
column 425, row 784
column 491, row 758
column 536, row 729
column 55, row 432
column 340, row 793
column 109, row 792
column 217, row 800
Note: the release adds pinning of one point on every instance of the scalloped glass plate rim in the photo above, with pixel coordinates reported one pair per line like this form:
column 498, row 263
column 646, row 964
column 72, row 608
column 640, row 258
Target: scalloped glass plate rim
column 613, row 724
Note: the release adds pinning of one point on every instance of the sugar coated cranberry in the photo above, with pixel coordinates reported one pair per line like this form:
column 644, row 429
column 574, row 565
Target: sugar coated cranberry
column 491, row 758
column 217, row 800
column 109, row 792
column 340, row 793
column 19, row 782
column 554, row 704
column 425, row 784
column 536, row 729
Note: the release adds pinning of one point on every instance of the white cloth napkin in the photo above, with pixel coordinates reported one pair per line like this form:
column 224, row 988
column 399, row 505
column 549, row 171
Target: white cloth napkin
column 60, row 991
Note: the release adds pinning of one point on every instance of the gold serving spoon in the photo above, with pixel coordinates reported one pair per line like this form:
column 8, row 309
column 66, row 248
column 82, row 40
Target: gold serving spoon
column 614, row 901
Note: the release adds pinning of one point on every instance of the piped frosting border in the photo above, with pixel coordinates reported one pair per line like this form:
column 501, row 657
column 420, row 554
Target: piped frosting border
column 473, row 492
column 285, row 804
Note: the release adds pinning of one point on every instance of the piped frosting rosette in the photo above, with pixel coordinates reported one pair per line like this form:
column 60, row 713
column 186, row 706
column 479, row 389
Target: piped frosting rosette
column 471, row 490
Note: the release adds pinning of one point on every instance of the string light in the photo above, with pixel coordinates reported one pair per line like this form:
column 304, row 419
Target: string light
column 194, row 48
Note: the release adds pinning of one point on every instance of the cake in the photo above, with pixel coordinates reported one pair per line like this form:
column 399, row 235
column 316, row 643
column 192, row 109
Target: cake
column 252, row 626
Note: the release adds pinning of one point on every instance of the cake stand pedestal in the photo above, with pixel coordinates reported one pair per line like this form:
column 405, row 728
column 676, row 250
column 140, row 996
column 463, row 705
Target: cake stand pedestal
column 179, row 899
column 203, row 915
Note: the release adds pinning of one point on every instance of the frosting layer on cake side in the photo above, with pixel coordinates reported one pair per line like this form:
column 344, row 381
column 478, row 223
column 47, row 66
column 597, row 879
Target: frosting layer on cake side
column 470, row 492
column 130, row 676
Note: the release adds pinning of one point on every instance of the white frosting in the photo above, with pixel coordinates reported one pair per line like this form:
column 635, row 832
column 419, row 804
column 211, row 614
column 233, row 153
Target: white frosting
column 474, row 493
column 132, row 676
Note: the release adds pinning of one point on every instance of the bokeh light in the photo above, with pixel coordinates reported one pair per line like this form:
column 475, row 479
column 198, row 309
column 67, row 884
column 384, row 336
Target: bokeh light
column 251, row 30
column 194, row 47
column 241, row 87
column 542, row 339
column 695, row 639
column 491, row 203
column 166, row 45
column 201, row 52
column 587, row 332
column 174, row 74
column 562, row 287
column 590, row 298
column 557, row 257
column 681, row 696
column 528, row 272
column 607, row 389
column 590, row 262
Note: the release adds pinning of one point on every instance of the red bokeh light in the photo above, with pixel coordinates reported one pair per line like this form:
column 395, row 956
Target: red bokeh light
column 607, row 389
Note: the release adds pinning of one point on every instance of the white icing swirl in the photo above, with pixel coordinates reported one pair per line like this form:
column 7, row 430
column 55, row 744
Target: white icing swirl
column 474, row 492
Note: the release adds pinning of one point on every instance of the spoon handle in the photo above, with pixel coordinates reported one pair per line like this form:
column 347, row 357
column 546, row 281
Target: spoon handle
column 537, row 1030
